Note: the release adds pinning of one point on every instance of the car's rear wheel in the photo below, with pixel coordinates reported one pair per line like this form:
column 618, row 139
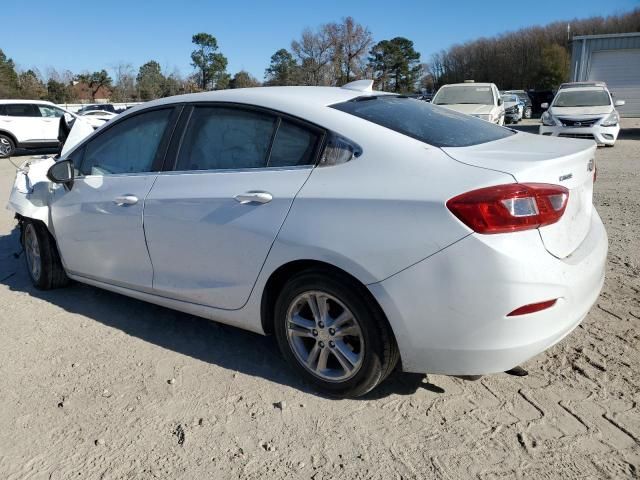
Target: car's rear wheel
column 42, row 257
column 332, row 335
column 7, row 147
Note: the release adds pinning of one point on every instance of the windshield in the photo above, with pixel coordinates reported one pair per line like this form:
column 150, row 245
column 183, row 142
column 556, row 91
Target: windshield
column 582, row 98
column 510, row 98
column 464, row 94
column 424, row 121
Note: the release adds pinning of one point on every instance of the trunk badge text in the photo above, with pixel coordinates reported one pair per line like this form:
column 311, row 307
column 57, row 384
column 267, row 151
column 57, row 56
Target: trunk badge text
column 566, row 177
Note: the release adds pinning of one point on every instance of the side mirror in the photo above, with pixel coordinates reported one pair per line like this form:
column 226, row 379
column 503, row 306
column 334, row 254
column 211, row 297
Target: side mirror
column 62, row 172
column 619, row 103
column 500, row 102
column 544, row 105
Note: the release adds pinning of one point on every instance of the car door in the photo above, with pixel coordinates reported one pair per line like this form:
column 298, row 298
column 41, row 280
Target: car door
column 211, row 222
column 98, row 222
column 24, row 121
column 50, row 121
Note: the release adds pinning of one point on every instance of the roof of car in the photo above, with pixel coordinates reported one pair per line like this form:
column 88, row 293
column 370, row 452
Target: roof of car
column 585, row 88
column 469, row 84
column 582, row 84
column 297, row 101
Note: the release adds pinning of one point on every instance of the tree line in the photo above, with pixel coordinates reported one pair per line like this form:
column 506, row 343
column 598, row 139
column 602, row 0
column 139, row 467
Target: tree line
column 529, row 58
column 334, row 54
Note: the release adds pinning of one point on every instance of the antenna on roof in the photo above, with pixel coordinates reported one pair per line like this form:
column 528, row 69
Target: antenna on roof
column 360, row 86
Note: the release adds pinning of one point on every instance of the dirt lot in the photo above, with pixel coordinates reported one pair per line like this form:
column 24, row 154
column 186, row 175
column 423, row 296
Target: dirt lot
column 97, row 385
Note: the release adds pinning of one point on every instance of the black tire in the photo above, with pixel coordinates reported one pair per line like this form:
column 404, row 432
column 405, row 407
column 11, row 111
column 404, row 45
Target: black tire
column 45, row 269
column 381, row 353
column 7, row 146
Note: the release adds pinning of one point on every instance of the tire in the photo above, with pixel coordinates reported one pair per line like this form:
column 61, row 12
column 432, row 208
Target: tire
column 7, row 146
column 42, row 257
column 367, row 341
column 527, row 112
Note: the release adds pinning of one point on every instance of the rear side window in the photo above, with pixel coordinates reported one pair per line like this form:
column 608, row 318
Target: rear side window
column 293, row 145
column 219, row 138
column 437, row 126
column 130, row 146
column 22, row 110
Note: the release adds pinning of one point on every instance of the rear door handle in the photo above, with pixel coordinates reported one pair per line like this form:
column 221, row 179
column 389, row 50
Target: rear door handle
column 254, row 197
column 125, row 200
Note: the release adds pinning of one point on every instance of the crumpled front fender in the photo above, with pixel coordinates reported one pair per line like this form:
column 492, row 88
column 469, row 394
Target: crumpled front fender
column 31, row 190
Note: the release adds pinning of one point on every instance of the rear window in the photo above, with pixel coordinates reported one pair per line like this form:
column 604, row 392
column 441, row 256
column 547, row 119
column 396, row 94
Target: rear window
column 423, row 121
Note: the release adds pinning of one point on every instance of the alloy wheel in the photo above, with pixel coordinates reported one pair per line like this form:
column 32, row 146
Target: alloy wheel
column 5, row 146
column 325, row 336
column 32, row 251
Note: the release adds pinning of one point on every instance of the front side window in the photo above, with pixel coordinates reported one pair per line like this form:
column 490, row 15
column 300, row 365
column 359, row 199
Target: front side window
column 582, row 98
column 22, row 110
column 293, row 145
column 129, row 146
column 220, row 138
column 437, row 126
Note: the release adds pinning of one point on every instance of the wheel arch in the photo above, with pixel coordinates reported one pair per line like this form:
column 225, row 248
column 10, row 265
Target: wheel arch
column 279, row 277
column 11, row 136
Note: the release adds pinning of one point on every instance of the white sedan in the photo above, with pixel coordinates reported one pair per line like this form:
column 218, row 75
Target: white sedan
column 365, row 230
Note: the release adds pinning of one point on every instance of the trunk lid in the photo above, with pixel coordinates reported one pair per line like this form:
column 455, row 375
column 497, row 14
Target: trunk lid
column 536, row 159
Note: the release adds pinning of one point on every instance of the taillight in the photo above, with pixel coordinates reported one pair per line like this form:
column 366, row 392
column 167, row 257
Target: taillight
column 510, row 208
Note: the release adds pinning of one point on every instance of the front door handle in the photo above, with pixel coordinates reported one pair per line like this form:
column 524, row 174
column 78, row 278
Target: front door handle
column 125, row 200
column 254, row 197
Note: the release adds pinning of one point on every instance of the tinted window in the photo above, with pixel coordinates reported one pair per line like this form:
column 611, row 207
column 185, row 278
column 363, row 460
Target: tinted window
column 293, row 145
column 22, row 110
column 224, row 138
column 130, row 146
column 423, row 121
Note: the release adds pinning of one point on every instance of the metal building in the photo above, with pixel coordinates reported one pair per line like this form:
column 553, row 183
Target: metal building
column 614, row 59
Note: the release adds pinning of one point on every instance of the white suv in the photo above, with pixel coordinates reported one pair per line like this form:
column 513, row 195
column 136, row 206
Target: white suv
column 583, row 110
column 481, row 100
column 28, row 124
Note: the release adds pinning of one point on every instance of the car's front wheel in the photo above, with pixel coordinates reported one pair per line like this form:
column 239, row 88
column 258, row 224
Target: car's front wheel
column 42, row 257
column 7, row 147
column 332, row 334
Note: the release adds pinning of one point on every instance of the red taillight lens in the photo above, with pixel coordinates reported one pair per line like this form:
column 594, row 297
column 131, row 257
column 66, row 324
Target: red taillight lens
column 532, row 307
column 510, row 208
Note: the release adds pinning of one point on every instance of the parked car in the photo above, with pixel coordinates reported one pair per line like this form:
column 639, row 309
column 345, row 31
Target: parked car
column 99, row 114
column 30, row 124
column 583, row 111
column 105, row 107
column 365, row 230
column 538, row 97
column 513, row 108
column 481, row 100
column 524, row 96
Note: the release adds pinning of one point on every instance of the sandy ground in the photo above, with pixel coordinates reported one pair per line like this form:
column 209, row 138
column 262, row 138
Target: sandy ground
column 97, row 385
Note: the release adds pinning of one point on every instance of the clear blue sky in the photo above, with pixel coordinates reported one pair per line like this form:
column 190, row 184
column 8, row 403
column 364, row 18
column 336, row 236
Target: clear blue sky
column 80, row 35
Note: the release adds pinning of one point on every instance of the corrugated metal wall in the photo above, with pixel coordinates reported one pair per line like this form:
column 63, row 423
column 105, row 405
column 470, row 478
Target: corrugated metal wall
column 582, row 52
column 583, row 47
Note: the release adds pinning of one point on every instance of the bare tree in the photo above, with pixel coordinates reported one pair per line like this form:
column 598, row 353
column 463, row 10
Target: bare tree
column 124, row 89
column 350, row 43
column 314, row 52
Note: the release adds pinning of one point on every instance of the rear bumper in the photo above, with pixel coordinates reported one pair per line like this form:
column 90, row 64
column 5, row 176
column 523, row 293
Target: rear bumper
column 448, row 312
column 601, row 135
